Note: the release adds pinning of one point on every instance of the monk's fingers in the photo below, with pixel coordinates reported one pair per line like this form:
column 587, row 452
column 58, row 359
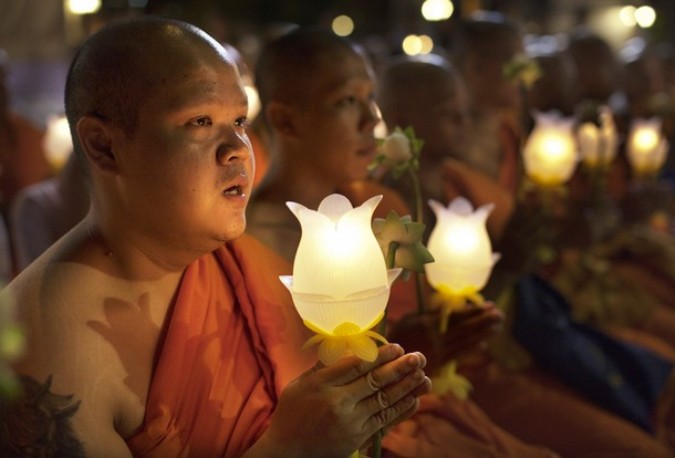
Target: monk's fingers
column 380, row 377
column 395, row 402
column 350, row 369
column 392, row 393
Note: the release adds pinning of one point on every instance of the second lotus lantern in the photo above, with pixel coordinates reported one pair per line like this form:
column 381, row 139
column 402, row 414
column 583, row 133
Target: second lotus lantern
column 463, row 254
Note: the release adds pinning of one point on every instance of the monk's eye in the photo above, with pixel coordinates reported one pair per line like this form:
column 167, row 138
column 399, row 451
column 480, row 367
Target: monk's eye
column 347, row 101
column 242, row 122
column 202, row 121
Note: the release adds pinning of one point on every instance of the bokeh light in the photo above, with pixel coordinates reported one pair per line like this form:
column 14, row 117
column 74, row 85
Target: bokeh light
column 343, row 25
column 645, row 16
column 414, row 45
column 83, row 6
column 437, row 10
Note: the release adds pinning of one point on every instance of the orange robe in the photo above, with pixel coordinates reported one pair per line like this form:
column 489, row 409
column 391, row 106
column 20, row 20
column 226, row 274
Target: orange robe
column 229, row 349
column 232, row 344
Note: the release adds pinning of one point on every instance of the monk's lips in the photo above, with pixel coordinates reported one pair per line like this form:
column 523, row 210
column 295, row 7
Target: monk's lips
column 235, row 190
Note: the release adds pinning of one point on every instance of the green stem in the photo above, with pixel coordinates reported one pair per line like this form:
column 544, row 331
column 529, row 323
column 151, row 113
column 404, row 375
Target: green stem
column 419, row 291
column 419, row 217
column 376, row 451
column 419, row 209
column 390, row 263
column 390, row 259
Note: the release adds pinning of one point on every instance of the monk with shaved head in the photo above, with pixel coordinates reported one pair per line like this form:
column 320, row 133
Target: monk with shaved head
column 318, row 93
column 153, row 328
column 430, row 95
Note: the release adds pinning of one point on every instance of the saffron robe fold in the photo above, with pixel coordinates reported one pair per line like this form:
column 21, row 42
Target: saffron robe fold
column 223, row 360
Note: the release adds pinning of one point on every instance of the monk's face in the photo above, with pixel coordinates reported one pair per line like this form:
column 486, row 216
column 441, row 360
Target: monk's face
column 440, row 115
column 484, row 76
column 187, row 168
column 337, row 119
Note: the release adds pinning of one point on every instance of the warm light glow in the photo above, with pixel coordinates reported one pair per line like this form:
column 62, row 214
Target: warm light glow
column 647, row 148
column 381, row 129
column 427, row 44
column 437, row 10
column 342, row 241
column 550, row 151
column 83, row 6
column 340, row 283
column 461, row 240
column 645, row 140
column 460, row 246
column 253, row 102
column 598, row 145
column 57, row 143
column 627, row 16
column 645, row 16
column 610, row 24
column 412, row 45
column 343, row 25
column 339, row 273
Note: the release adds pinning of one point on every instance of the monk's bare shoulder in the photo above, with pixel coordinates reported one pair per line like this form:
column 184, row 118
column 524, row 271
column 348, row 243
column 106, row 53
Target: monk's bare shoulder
column 74, row 371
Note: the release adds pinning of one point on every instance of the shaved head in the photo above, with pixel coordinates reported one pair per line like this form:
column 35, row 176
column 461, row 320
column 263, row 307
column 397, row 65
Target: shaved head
column 405, row 83
column 288, row 65
column 121, row 66
column 427, row 94
column 486, row 33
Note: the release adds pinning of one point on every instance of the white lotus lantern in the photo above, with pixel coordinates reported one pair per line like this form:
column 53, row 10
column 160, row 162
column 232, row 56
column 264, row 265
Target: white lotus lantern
column 647, row 148
column 463, row 255
column 340, row 284
column 550, row 154
column 598, row 145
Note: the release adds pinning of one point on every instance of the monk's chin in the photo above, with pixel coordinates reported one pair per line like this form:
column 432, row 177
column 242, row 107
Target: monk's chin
column 232, row 233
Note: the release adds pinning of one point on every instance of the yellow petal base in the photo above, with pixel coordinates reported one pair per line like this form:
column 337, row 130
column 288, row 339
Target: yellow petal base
column 347, row 338
column 449, row 300
column 449, row 381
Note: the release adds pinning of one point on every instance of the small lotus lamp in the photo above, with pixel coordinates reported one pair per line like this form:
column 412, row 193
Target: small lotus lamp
column 463, row 255
column 598, row 144
column 340, row 284
column 550, row 154
column 647, row 147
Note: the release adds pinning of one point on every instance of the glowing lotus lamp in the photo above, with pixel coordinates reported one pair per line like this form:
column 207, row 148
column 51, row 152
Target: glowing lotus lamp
column 340, row 284
column 598, row 144
column 550, row 152
column 647, row 148
column 463, row 254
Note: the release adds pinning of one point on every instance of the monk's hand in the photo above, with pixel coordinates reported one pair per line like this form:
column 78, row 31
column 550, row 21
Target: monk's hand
column 470, row 327
column 335, row 410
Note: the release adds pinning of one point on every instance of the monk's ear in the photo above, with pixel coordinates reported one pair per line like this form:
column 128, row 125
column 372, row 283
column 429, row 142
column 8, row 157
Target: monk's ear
column 281, row 118
column 96, row 139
